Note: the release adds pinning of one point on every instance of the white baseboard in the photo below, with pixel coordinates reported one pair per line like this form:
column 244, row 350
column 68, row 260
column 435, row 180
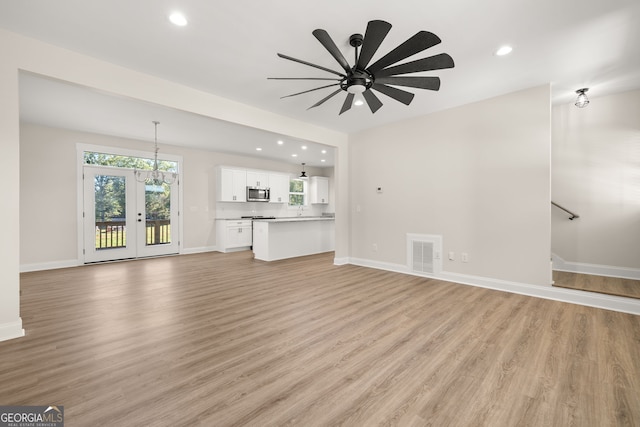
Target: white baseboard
column 199, row 250
column 591, row 299
column 11, row 330
column 25, row 268
column 560, row 264
column 341, row 261
column 398, row 268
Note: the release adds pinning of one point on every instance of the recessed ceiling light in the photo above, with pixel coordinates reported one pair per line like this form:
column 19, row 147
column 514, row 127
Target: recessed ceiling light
column 504, row 50
column 304, row 147
column 323, row 160
column 178, row 19
column 358, row 102
column 324, row 151
column 258, row 149
column 294, row 155
column 280, row 142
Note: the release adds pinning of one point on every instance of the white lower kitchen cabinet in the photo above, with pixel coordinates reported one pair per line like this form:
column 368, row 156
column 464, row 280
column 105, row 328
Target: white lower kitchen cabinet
column 233, row 234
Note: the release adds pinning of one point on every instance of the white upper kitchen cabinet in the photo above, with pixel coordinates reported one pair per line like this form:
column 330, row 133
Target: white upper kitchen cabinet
column 231, row 185
column 279, row 185
column 318, row 190
column 257, row 179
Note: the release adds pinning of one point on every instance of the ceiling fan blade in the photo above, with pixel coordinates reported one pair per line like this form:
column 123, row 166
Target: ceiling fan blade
column 348, row 101
column 324, row 38
column 395, row 93
column 320, row 67
column 302, row 78
column 436, row 62
column 375, row 34
column 307, row 91
column 372, row 100
column 324, row 99
column 430, row 83
column 417, row 43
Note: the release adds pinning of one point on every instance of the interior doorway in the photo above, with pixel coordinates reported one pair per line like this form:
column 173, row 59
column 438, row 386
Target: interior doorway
column 124, row 218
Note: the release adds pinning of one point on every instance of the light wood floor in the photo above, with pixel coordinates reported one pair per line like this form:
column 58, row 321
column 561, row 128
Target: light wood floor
column 224, row 340
column 601, row 284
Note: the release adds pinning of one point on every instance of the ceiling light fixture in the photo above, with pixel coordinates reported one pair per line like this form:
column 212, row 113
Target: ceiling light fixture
column 155, row 176
column 280, row 142
column 582, row 100
column 303, row 174
column 258, row 149
column 178, row 19
column 504, row 50
column 304, row 147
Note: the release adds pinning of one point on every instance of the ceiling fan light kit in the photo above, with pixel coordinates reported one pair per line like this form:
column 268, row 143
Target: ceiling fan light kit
column 381, row 76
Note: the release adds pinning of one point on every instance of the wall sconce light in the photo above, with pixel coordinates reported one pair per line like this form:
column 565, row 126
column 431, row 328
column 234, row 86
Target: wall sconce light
column 582, row 100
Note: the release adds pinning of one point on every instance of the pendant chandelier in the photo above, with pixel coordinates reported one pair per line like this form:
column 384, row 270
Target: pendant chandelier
column 156, row 176
column 303, row 175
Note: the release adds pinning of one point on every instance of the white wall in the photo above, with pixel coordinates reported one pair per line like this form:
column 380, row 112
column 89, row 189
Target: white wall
column 479, row 175
column 596, row 173
column 48, row 192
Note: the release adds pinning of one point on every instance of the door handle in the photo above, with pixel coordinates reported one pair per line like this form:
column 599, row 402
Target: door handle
column 139, row 220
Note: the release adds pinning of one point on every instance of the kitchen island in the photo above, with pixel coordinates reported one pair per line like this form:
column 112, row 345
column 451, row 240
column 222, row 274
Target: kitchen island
column 281, row 238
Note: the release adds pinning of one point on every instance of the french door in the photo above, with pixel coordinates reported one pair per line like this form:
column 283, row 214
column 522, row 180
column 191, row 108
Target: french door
column 124, row 218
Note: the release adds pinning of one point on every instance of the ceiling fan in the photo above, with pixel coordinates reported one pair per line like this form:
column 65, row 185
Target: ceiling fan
column 380, row 76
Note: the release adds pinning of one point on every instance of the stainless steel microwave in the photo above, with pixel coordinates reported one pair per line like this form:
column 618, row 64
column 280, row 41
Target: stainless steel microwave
column 258, row 194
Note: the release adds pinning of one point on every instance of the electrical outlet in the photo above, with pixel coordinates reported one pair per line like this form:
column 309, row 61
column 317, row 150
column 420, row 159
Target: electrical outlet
column 465, row 257
column 374, row 247
column 452, row 256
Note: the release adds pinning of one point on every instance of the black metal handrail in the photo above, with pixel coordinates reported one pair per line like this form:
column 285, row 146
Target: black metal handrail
column 573, row 215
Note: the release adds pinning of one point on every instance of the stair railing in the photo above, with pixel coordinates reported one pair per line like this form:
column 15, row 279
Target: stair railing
column 573, row 215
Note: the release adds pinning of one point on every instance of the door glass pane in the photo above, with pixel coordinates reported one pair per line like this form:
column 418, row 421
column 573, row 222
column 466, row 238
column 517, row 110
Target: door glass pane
column 157, row 198
column 110, row 212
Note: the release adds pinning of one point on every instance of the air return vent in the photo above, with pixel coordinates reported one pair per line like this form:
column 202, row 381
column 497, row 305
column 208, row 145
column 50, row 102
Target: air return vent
column 424, row 253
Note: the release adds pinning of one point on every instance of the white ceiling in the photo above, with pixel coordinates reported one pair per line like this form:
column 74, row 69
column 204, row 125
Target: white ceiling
column 229, row 49
column 58, row 104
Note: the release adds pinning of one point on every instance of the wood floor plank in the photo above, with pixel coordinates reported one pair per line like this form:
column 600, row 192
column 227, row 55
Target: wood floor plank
column 225, row 340
column 601, row 284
